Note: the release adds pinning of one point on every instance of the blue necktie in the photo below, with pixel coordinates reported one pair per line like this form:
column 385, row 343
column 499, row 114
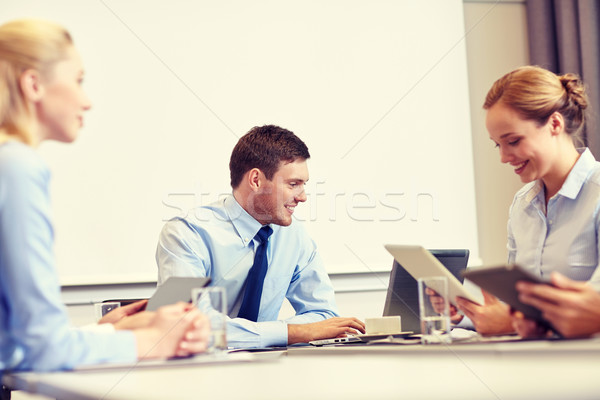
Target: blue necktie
column 256, row 277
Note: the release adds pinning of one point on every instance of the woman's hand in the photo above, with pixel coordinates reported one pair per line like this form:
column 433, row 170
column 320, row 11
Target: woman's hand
column 174, row 330
column 119, row 313
column 572, row 307
column 491, row 318
column 527, row 328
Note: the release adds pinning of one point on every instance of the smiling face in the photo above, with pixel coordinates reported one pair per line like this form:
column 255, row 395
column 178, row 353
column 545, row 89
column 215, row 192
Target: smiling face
column 62, row 103
column 274, row 202
column 524, row 144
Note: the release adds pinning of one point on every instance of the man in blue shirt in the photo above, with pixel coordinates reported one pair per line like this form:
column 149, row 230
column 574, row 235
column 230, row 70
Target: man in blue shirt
column 268, row 172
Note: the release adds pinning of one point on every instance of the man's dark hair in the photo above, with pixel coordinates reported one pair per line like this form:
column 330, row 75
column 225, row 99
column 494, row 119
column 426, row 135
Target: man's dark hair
column 264, row 147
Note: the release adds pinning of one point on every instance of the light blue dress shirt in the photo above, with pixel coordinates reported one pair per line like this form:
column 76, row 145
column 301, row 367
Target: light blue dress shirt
column 563, row 237
column 218, row 241
column 34, row 328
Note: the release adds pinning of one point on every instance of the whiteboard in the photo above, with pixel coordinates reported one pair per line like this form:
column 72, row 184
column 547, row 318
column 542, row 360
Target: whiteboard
column 377, row 90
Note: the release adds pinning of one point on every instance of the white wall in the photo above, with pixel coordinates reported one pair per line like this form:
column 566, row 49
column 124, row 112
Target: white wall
column 496, row 44
column 492, row 50
column 377, row 89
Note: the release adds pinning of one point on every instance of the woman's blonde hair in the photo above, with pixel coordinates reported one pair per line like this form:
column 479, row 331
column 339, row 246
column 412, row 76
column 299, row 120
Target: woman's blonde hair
column 26, row 44
column 536, row 93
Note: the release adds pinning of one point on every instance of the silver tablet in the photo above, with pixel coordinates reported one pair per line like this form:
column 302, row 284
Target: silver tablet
column 420, row 263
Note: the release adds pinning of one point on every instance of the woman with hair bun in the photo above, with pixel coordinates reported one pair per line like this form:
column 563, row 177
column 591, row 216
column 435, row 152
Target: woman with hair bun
column 41, row 98
column 535, row 117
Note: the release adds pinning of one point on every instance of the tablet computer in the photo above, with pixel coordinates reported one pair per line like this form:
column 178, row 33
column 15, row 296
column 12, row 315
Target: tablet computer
column 501, row 280
column 420, row 263
column 175, row 289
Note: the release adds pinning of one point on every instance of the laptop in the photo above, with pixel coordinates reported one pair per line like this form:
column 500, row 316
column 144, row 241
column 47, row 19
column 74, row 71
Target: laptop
column 403, row 294
column 403, row 297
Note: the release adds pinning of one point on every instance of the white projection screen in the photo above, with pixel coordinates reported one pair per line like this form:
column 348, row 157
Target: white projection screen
column 377, row 89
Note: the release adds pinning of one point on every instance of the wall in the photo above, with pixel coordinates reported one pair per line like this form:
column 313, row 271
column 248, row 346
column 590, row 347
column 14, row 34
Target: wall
column 492, row 50
column 170, row 100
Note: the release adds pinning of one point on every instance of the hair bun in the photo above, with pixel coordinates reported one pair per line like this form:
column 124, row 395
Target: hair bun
column 575, row 90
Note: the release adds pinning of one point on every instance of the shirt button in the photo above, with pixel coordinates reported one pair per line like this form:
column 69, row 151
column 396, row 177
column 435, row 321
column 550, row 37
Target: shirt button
column 246, row 240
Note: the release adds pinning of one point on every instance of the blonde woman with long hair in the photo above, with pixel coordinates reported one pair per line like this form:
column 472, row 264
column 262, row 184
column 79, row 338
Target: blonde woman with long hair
column 41, row 98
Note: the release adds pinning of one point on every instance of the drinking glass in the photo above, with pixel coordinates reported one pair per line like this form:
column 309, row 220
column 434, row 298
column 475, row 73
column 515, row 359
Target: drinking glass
column 434, row 310
column 213, row 303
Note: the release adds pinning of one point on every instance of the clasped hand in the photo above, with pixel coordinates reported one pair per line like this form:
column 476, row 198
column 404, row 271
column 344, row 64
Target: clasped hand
column 174, row 330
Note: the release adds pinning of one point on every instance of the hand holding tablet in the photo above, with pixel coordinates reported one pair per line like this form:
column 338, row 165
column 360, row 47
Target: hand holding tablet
column 501, row 282
column 420, row 263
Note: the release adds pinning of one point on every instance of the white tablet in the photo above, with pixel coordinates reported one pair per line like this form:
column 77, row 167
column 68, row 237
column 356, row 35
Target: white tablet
column 420, row 263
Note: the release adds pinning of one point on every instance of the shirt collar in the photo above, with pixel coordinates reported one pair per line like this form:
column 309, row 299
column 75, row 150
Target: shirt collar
column 245, row 225
column 532, row 193
column 578, row 174
column 575, row 179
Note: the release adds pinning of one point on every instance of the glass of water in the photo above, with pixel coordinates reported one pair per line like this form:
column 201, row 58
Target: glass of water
column 434, row 310
column 213, row 303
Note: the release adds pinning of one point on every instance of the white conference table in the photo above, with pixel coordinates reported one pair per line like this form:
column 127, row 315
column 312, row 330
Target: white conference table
column 517, row 370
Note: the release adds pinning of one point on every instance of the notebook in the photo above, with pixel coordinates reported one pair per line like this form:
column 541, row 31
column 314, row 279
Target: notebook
column 403, row 295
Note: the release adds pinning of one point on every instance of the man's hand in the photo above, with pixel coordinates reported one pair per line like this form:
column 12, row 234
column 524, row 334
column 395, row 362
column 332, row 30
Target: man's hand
column 329, row 328
column 573, row 308
column 492, row 318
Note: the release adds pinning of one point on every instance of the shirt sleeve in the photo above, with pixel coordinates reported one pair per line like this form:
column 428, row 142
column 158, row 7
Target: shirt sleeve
column 242, row 333
column 93, row 327
column 36, row 331
column 178, row 252
column 311, row 292
column 595, row 278
column 465, row 323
